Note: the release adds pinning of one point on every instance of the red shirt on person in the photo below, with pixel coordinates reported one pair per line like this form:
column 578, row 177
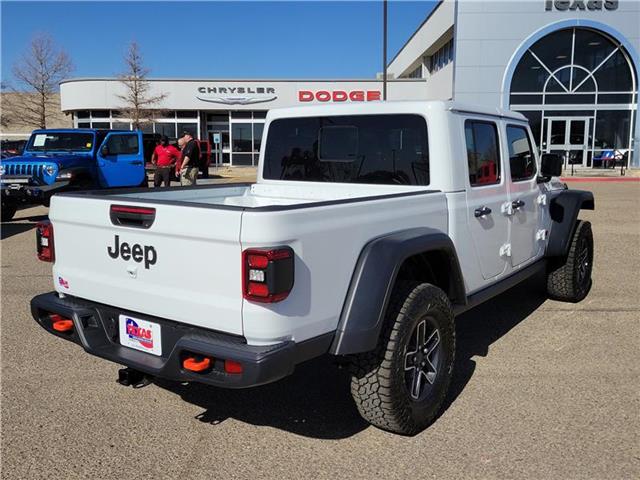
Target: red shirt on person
column 166, row 156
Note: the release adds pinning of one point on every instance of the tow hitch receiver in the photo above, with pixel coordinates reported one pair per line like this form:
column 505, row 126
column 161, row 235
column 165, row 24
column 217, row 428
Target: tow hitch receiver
column 133, row 378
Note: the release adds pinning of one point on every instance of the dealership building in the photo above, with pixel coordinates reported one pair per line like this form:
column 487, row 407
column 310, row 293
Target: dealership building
column 570, row 66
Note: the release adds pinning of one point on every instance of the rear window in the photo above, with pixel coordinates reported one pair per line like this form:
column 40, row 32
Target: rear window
column 483, row 152
column 377, row 149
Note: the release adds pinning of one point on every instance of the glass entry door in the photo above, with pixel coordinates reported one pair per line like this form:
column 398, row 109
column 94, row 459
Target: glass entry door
column 219, row 151
column 569, row 137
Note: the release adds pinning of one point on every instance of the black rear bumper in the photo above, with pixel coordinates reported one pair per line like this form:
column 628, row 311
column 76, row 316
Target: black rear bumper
column 96, row 330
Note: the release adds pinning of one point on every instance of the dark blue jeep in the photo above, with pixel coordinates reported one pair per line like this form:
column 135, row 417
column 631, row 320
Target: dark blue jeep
column 70, row 159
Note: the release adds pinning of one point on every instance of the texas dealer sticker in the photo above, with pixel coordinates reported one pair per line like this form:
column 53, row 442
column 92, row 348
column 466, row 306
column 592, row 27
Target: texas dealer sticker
column 140, row 334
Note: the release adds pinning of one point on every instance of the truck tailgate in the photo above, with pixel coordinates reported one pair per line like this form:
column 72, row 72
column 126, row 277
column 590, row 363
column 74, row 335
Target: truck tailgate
column 186, row 266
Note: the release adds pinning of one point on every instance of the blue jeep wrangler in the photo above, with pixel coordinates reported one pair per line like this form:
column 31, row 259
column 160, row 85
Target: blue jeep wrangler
column 71, row 159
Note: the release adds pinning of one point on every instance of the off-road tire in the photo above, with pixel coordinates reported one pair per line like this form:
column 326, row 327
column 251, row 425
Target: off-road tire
column 570, row 280
column 378, row 378
column 8, row 211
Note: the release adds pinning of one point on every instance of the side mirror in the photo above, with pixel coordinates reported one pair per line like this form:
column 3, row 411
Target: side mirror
column 551, row 165
column 104, row 151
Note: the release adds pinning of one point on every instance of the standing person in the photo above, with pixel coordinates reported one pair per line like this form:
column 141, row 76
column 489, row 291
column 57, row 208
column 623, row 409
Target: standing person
column 179, row 162
column 164, row 158
column 190, row 160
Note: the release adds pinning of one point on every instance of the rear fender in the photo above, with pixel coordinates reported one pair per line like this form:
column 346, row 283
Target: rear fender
column 373, row 280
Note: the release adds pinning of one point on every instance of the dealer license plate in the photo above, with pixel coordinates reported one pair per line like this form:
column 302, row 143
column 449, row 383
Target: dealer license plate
column 140, row 334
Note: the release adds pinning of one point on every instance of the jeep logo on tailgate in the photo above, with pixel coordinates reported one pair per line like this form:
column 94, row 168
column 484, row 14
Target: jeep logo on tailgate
column 136, row 252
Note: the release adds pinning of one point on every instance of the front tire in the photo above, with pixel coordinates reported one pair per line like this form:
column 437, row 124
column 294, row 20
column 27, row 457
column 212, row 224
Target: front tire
column 402, row 384
column 571, row 281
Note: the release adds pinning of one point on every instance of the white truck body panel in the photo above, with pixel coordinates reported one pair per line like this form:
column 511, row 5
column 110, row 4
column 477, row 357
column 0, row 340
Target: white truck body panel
column 327, row 241
column 195, row 280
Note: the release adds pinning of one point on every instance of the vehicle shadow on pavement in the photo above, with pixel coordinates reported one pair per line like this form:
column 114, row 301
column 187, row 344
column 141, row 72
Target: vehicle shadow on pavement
column 9, row 229
column 315, row 401
column 477, row 329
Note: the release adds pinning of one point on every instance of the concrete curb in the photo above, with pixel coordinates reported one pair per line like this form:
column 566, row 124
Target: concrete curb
column 600, row 179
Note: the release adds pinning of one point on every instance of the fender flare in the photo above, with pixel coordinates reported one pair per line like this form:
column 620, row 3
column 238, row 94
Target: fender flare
column 564, row 207
column 372, row 283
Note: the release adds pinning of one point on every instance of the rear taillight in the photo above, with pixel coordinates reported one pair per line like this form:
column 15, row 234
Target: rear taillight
column 44, row 241
column 267, row 274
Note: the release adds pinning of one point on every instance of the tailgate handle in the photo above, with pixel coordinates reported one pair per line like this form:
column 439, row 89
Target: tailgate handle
column 136, row 217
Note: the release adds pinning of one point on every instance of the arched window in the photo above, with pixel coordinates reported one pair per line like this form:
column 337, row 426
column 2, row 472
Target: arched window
column 580, row 83
column 565, row 60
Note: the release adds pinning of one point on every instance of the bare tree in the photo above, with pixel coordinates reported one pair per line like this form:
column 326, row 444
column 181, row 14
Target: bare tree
column 38, row 74
column 6, row 111
column 138, row 102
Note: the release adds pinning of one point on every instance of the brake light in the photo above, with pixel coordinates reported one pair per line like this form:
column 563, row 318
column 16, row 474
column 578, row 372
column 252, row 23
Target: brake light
column 132, row 216
column 44, row 241
column 134, row 210
column 267, row 274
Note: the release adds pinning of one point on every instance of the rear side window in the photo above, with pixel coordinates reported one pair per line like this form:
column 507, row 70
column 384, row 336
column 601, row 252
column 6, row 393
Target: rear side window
column 122, row 144
column 375, row 149
column 521, row 158
column 483, row 152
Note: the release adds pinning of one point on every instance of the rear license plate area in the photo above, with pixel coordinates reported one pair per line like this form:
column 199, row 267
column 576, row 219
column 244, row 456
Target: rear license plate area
column 140, row 334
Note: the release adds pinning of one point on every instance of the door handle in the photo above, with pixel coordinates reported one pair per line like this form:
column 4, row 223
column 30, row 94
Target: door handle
column 136, row 162
column 517, row 204
column 482, row 211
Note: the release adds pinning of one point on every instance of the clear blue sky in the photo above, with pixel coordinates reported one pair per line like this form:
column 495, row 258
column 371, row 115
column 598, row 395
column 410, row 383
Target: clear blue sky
column 216, row 39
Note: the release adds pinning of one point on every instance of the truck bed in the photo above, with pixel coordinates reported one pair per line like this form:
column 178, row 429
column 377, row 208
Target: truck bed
column 198, row 235
column 257, row 196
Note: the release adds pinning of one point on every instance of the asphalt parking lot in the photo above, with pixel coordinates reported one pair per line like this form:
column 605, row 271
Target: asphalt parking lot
column 541, row 390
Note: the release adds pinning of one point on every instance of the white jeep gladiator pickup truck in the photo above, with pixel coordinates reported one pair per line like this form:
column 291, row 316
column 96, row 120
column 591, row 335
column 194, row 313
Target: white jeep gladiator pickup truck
column 369, row 229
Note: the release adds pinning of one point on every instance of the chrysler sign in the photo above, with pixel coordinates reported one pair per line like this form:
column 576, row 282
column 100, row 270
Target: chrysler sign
column 236, row 95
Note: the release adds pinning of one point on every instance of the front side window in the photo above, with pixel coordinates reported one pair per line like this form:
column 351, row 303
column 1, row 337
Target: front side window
column 61, row 142
column 521, row 158
column 483, row 152
column 374, row 149
column 122, row 144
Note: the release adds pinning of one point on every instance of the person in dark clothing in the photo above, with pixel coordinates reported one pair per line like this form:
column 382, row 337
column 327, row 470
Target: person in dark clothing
column 164, row 158
column 190, row 160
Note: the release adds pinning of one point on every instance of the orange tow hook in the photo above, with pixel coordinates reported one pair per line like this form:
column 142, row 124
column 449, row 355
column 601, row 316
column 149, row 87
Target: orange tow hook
column 60, row 324
column 195, row 365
